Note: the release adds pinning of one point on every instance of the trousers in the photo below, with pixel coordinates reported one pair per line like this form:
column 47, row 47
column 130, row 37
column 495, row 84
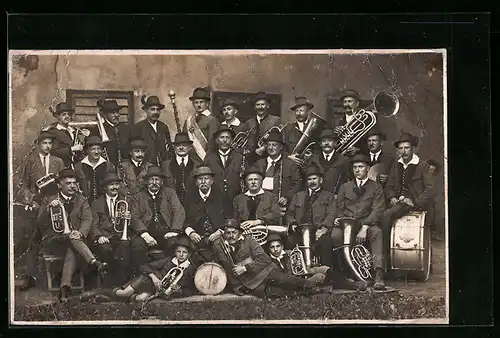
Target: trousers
column 278, row 283
column 140, row 250
column 117, row 254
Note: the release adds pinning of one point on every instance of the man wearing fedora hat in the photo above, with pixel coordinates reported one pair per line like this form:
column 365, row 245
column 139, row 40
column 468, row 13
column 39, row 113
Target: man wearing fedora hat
column 39, row 164
column 363, row 200
column 229, row 109
column 157, row 217
column 154, row 132
column 92, row 169
column 336, row 167
column 410, row 185
column 226, row 164
column 202, row 124
column 178, row 170
column 376, row 139
column 253, row 271
column 79, row 218
column 105, row 240
column 259, row 125
column 117, row 132
column 205, row 213
column 64, row 146
column 135, row 167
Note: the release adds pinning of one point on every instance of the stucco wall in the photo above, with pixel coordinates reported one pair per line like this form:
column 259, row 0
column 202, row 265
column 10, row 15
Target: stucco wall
column 315, row 76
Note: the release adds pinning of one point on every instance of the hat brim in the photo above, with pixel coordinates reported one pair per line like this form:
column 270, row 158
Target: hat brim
column 261, row 174
column 106, row 182
column 159, row 105
column 308, row 104
column 412, row 142
column 183, row 142
column 200, row 174
column 357, row 160
column 157, row 175
column 57, row 113
column 229, row 130
column 192, row 98
column 230, row 104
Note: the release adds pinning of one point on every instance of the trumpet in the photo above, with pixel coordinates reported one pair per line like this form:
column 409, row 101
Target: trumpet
column 121, row 207
column 262, row 140
column 58, row 217
column 79, row 130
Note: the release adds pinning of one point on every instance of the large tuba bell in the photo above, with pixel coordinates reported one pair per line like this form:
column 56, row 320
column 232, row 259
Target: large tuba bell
column 121, row 207
column 357, row 257
column 301, row 259
column 385, row 104
column 304, row 146
column 59, row 218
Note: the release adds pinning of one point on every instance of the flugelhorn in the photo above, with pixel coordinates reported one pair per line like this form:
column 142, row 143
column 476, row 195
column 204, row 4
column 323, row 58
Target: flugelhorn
column 172, row 277
column 262, row 140
column 121, row 208
column 58, row 217
column 385, row 104
column 241, row 139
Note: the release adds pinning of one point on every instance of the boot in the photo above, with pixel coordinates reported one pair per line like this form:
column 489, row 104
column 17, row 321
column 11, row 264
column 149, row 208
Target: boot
column 28, row 283
column 102, row 267
column 379, row 280
column 64, row 293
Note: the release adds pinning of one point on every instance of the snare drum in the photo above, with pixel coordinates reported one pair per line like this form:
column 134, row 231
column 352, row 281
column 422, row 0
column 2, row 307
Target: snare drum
column 210, row 279
column 410, row 247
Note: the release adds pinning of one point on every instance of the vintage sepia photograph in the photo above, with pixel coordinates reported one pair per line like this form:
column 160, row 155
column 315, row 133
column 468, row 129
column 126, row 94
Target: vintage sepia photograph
column 228, row 186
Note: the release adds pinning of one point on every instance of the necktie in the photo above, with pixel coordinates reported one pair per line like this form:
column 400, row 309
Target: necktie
column 373, row 157
column 112, row 208
column 327, row 158
column 224, row 159
column 270, row 171
column 46, row 165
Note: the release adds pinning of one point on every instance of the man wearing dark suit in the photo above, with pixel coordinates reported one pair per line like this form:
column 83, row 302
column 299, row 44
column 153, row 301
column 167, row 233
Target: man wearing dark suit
column 376, row 140
column 154, row 132
column 205, row 215
column 336, row 166
column 229, row 109
column 135, row 167
column 179, row 169
column 72, row 245
column 64, row 145
column 157, row 217
column 202, row 125
column 106, row 241
column 259, row 125
column 226, row 164
column 363, row 200
column 39, row 164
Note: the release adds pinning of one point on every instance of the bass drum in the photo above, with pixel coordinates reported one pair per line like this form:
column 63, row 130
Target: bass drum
column 410, row 247
column 210, row 279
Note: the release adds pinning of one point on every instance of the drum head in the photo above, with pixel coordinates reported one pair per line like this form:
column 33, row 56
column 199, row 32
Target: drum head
column 210, row 279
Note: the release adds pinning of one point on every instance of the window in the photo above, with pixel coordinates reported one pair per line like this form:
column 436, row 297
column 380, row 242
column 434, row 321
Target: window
column 245, row 102
column 85, row 103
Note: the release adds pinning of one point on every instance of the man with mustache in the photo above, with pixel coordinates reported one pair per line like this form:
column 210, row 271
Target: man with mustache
column 106, row 242
column 157, row 217
column 92, row 169
column 202, row 125
column 79, row 217
column 179, row 169
column 64, row 145
column 226, row 164
column 229, row 109
column 259, row 125
column 154, row 132
column 376, row 140
column 135, row 167
column 39, row 164
column 205, row 215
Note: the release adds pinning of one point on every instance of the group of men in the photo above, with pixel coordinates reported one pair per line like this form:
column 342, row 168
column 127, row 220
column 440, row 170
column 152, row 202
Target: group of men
column 189, row 197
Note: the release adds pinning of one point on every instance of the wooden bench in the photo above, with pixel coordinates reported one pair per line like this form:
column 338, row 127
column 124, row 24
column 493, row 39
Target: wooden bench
column 49, row 260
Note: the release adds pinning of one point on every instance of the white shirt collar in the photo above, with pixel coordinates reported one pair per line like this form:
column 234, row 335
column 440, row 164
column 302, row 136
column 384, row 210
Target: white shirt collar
column 236, row 122
column 224, row 154
column 363, row 182
column 260, row 192
column 153, row 194
column 179, row 159
column 348, row 118
column 205, row 196
column 136, row 163
column 377, row 154
column 329, row 156
column 206, row 112
column 153, row 124
column 269, row 160
column 301, row 125
column 67, row 198
column 311, row 191
column 86, row 161
column 183, row 265
column 259, row 118
column 414, row 160
column 109, row 198
column 42, row 156
column 111, row 124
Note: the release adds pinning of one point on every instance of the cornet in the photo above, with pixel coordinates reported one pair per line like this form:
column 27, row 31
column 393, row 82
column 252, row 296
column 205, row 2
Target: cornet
column 264, row 137
column 121, row 207
column 58, row 217
column 241, row 140
column 172, row 278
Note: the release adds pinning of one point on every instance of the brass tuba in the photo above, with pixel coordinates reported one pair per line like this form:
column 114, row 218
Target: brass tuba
column 386, row 104
column 358, row 257
column 121, row 207
column 262, row 140
column 260, row 232
column 301, row 259
column 304, row 146
column 60, row 222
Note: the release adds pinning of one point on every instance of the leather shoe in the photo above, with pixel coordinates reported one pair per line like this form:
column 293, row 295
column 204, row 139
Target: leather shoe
column 379, row 280
column 64, row 293
column 28, row 283
column 102, row 267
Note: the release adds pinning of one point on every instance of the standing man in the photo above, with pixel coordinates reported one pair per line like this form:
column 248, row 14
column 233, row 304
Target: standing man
column 154, row 132
column 363, row 200
column 259, row 125
column 135, row 167
column 202, row 124
column 376, row 140
column 65, row 147
column 229, row 109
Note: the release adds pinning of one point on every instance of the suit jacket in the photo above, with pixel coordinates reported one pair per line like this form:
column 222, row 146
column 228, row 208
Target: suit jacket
column 119, row 140
column 85, row 182
column 101, row 221
column 421, row 185
column 292, row 180
column 258, row 131
column 387, row 160
column 208, row 125
column 80, row 217
column 169, row 168
column 323, row 209
column 62, row 145
column 251, row 255
column 133, row 184
column 161, row 267
column 337, row 171
column 171, row 210
column 228, row 177
column 287, row 267
column 33, row 171
column 268, row 209
column 159, row 143
column 367, row 209
column 195, row 209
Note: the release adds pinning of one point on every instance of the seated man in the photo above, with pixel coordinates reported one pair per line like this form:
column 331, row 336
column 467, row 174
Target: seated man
column 79, row 220
column 150, row 281
column 250, row 270
column 106, row 241
column 363, row 200
column 157, row 217
column 321, row 274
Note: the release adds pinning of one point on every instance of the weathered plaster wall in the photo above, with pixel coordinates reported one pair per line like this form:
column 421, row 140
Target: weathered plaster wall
column 315, row 76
